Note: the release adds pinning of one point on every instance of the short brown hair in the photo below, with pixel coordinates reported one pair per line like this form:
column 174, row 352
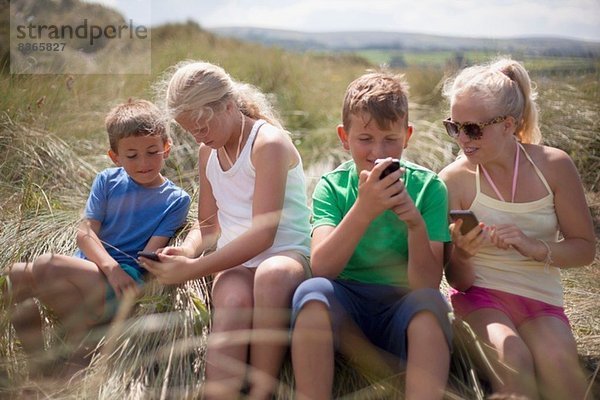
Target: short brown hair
column 134, row 118
column 379, row 96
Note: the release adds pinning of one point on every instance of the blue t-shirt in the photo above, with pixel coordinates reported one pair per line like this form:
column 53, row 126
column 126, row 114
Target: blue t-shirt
column 130, row 214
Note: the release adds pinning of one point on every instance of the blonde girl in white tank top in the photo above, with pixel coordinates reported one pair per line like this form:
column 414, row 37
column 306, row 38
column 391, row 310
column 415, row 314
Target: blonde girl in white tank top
column 252, row 206
column 524, row 194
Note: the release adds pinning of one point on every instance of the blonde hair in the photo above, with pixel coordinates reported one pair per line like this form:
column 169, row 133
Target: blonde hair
column 504, row 87
column 135, row 118
column 380, row 96
column 204, row 88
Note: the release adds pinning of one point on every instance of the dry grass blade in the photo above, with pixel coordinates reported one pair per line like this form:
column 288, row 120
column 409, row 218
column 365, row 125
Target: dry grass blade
column 39, row 163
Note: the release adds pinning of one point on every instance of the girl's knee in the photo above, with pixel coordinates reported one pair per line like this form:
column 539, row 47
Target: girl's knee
column 279, row 272
column 234, row 299
column 233, row 289
column 564, row 356
column 517, row 356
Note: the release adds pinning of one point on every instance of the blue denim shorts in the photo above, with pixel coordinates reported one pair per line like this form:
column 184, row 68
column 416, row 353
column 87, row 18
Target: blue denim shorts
column 111, row 302
column 382, row 312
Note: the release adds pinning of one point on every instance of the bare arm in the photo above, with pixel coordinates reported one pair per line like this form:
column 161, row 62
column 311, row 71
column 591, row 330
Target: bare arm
column 458, row 268
column 578, row 246
column 90, row 244
column 332, row 246
column 272, row 158
column 424, row 256
column 204, row 233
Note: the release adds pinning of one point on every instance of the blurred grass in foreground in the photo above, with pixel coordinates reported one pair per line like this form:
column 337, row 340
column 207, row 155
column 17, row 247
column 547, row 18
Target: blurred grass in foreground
column 52, row 142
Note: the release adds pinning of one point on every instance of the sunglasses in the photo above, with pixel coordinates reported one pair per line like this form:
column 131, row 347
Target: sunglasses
column 474, row 130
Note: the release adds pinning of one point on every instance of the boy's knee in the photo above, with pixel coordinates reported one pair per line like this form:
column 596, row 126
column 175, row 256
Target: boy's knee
column 431, row 314
column 21, row 281
column 41, row 266
column 314, row 317
column 426, row 324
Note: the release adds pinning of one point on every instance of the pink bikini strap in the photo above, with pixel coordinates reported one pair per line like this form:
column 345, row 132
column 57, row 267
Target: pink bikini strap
column 514, row 180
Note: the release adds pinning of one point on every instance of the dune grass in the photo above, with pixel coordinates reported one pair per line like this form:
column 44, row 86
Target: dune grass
column 52, row 143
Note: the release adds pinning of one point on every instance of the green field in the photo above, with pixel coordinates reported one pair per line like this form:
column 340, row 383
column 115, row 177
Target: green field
column 441, row 59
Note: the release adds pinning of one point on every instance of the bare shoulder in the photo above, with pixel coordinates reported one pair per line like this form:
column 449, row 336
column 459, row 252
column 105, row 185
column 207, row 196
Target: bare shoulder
column 269, row 135
column 203, row 153
column 555, row 164
column 456, row 172
column 272, row 141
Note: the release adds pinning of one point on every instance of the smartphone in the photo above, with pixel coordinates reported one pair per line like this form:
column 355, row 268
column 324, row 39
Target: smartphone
column 149, row 255
column 394, row 166
column 468, row 217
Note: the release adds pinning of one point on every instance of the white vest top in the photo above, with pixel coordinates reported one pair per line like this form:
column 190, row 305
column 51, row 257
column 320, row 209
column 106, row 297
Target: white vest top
column 233, row 191
column 508, row 270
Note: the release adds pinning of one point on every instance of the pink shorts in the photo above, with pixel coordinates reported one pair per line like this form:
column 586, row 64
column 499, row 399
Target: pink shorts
column 519, row 309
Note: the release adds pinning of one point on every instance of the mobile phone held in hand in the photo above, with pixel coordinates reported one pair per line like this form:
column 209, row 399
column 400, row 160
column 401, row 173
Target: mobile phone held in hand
column 394, row 166
column 468, row 217
column 150, row 255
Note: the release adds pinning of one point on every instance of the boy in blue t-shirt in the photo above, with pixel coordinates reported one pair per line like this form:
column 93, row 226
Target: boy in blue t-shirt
column 130, row 208
column 377, row 246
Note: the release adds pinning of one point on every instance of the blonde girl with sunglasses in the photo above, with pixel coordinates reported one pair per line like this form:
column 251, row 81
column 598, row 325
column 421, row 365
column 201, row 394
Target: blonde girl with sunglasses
column 534, row 221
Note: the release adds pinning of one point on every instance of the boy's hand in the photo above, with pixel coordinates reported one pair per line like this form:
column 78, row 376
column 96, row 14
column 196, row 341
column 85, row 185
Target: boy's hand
column 376, row 195
column 406, row 209
column 121, row 282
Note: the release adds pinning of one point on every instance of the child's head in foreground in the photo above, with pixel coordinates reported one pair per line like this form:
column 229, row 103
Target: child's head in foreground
column 375, row 118
column 139, row 140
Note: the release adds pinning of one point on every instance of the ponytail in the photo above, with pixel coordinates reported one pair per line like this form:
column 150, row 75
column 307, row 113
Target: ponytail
column 528, row 128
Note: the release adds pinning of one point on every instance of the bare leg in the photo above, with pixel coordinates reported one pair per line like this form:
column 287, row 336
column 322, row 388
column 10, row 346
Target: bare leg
column 232, row 312
column 24, row 313
column 511, row 358
column 74, row 289
column 69, row 286
column 552, row 344
column 313, row 352
column 428, row 358
column 274, row 285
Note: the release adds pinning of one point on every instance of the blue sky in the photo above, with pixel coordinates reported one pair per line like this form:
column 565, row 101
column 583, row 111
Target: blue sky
column 578, row 19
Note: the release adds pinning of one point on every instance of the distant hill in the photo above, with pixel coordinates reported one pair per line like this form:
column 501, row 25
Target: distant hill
column 354, row 41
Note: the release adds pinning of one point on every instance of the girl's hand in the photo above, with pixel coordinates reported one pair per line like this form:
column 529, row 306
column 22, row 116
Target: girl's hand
column 121, row 282
column 170, row 269
column 509, row 235
column 468, row 245
column 177, row 251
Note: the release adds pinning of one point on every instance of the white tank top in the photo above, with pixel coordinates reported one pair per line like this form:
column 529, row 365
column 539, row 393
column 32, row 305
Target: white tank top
column 508, row 270
column 233, row 191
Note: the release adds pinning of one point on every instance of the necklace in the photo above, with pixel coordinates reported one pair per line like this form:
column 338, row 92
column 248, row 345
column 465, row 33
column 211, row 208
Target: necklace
column 239, row 146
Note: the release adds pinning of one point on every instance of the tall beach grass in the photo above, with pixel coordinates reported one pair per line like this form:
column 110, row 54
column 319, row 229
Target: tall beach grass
column 52, row 143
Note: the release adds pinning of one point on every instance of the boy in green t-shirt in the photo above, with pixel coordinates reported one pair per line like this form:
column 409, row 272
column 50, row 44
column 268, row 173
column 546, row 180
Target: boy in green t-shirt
column 377, row 249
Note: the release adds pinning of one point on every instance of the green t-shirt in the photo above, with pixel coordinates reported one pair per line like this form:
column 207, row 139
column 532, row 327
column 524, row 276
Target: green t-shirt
column 381, row 256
